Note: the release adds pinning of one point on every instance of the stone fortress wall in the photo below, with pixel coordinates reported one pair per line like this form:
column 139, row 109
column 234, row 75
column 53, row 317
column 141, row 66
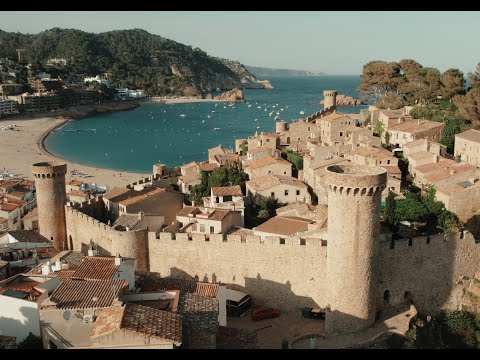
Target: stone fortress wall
column 288, row 272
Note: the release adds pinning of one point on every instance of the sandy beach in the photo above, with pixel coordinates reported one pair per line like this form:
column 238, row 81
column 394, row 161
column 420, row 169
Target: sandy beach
column 20, row 149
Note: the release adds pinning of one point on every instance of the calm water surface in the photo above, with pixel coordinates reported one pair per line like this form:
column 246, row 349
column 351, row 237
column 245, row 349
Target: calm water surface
column 156, row 133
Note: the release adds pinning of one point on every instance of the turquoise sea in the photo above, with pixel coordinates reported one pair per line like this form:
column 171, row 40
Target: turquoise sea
column 156, row 133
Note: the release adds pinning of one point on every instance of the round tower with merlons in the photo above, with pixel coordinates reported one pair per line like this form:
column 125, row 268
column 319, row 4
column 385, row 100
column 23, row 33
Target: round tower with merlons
column 354, row 195
column 51, row 199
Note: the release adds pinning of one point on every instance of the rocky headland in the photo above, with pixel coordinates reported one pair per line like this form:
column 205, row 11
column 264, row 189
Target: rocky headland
column 234, row 95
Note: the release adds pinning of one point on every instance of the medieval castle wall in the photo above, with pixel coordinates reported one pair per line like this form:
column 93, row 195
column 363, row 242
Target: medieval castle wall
column 290, row 273
column 84, row 230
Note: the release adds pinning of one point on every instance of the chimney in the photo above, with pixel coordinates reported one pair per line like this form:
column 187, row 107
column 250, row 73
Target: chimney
column 58, row 265
column 140, row 215
column 91, row 252
column 118, row 260
column 47, row 268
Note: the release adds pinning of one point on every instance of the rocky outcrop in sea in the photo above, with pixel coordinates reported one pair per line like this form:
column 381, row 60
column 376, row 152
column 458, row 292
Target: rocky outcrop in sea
column 234, row 95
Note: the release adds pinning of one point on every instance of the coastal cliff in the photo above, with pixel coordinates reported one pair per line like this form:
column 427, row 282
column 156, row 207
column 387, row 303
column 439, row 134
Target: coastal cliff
column 131, row 58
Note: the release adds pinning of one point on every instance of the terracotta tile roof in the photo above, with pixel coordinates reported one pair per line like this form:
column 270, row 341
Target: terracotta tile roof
column 190, row 164
column 443, row 169
column 14, row 200
column 115, row 192
column 305, row 211
column 25, row 288
column 96, row 268
column 283, row 225
column 199, row 313
column 75, row 182
column 70, row 257
column 414, row 126
column 87, row 294
column 234, row 230
column 208, row 166
column 187, row 179
column 332, row 117
column 392, row 169
column 127, row 220
column 213, row 214
column 8, row 342
column 186, row 210
column 268, row 181
column 152, row 322
column 142, row 196
column 8, row 207
column 17, row 195
column 2, row 220
column 419, row 155
column 217, row 150
column 28, row 236
column 64, row 275
column 185, row 286
column 259, row 150
column 266, row 161
column 393, row 114
column 77, row 193
column 227, row 191
column 227, row 158
column 31, row 213
column 6, row 184
column 470, row 135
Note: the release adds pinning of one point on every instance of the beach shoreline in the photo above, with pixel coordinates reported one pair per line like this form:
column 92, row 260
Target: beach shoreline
column 26, row 146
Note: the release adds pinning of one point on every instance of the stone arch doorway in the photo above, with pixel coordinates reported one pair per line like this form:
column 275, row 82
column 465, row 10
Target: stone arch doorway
column 408, row 297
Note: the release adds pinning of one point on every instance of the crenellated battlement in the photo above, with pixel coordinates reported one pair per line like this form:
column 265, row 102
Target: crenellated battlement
column 143, row 181
column 210, row 239
column 427, row 243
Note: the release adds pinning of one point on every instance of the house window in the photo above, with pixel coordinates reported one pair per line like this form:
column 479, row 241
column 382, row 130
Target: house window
column 341, row 133
column 268, row 140
column 212, row 229
column 308, row 128
column 34, row 224
column 286, row 192
column 282, row 241
column 227, row 198
column 303, row 242
column 284, row 173
column 269, row 172
column 272, row 194
column 189, row 187
column 180, row 224
column 194, row 227
column 298, row 192
column 202, row 228
column 388, row 162
column 433, row 137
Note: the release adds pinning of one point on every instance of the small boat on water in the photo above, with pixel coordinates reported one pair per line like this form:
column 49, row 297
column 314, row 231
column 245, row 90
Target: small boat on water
column 249, row 105
column 182, row 115
column 203, row 121
column 216, row 129
column 302, row 112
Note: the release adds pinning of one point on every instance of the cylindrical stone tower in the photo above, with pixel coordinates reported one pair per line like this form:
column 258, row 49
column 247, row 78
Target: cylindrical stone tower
column 329, row 99
column 354, row 195
column 51, row 198
column 158, row 169
column 280, row 126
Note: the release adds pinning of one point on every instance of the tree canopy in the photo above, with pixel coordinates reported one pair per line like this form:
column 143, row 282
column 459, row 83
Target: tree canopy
column 395, row 84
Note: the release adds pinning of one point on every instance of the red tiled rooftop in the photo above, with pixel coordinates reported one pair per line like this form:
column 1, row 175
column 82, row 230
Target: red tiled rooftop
column 96, row 268
column 8, row 207
column 189, row 286
column 87, row 294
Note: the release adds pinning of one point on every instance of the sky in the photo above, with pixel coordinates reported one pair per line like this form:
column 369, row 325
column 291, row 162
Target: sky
column 331, row 41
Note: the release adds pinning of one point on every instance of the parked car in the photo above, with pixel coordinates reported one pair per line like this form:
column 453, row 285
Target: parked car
column 264, row 312
column 314, row 313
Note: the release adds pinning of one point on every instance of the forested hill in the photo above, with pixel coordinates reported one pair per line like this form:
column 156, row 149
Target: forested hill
column 134, row 58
